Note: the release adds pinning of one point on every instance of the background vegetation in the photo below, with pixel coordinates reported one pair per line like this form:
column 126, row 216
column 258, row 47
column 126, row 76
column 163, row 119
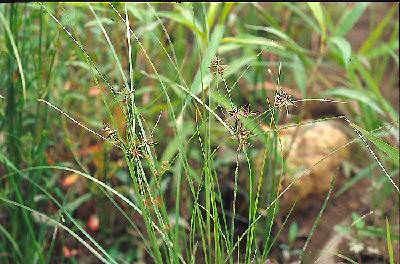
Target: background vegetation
column 119, row 142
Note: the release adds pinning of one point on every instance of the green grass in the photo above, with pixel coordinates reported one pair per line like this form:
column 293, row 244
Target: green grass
column 194, row 196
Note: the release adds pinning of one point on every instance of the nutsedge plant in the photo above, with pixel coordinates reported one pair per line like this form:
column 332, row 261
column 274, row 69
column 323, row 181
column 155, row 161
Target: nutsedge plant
column 193, row 190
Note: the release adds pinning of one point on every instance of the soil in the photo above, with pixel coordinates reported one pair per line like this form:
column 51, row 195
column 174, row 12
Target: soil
column 336, row 211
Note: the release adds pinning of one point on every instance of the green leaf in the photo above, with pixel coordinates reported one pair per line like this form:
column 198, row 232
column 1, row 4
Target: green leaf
column 389, row 243
column 212, row 12
column 380, row 28
column 289, row 41
column 73, row 205
column 236, row 65
column 103, row 20
column 316, row 9
column 349, row 18
column 365, row 97
column 16, row 53
column 208, row 55
column 305, row 17
column 359, row 222
column 293, row 232
column 390, row 151
column 184, row 20
column 364, row 173
column 12, row 241
column 253, row 40
column 136, row 11
column 173, row 145
column 342, row 229
column 374, row 88
column 383, row 49
column 299, row 74
column 225, row 11
column 344, row 47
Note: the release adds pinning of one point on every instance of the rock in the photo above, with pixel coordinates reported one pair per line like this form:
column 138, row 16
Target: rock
column 311, row 161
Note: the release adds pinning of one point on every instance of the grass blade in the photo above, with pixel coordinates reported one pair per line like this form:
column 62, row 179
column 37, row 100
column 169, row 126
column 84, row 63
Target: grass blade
column 316, row 9
column 16, row 54
column 389, row 243
column 390, row 151
column 349, row 18
column 210, row 52
column 253, row 40
column 378, row 31
column 361, row 96
column 344, row 47
column 54, row 222
column 12, row 241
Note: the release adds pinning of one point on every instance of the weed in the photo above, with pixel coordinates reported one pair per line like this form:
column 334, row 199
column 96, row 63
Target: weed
column 206, row 200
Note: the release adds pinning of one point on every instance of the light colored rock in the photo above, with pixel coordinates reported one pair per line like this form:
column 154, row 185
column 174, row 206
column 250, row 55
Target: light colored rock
column 316, row 153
